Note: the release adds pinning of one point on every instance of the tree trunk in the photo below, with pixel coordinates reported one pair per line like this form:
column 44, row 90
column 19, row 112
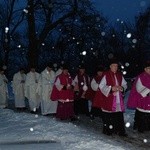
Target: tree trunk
column 33, row 49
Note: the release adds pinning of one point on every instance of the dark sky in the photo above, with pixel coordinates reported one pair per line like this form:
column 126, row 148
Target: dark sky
column 125, row 10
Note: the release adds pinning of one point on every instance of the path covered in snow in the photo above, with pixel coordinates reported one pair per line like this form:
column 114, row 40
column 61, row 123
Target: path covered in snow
column 29, row 129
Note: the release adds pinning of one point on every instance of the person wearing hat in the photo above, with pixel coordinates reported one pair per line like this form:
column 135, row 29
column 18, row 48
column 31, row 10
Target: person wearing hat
column 60, row 69
column 3, row 89
column 98, row 97
column 81, row 83
column 31, row 85
column 46, row 84
column 112, row 85
column 139, row 99
column 18, row 89
column 63, row 93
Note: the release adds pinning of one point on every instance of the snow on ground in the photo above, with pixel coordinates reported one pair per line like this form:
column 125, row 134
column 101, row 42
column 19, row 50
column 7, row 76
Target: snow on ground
column 30, row 129
column 23, row 127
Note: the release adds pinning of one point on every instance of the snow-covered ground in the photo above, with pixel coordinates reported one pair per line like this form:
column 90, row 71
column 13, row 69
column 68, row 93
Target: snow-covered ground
column 27, row 131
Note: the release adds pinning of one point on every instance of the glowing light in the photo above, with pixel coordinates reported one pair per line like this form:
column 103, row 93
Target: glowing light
column 121, row 21
column 25, row 10
column 6, row 30
column 134, row 41
column 129, row 35
column 118, row 19
column 91, row 48
column 127, row 64
column 43, row 44
column 31, row 129
column 145, row 140
column 82, row 83
column 110, row 127
column 84, row 53
column 124, row 72
column 127, row 124
column 19, row 46
column 122, row 67
column 103, row 33
column 78, row 43
column 73, row 38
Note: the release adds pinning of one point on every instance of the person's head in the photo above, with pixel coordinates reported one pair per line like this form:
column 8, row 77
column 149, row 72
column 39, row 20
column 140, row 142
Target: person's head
column 82, row 69
column 49, row 66
column 22, row 71
column 32, row 69
column 1, row 71
column 65, row 69
column 114, row 65
column 100, row 71
column 147, row 67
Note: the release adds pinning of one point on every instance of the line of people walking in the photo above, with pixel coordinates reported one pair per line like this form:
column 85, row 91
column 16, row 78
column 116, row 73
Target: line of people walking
column 67, row 97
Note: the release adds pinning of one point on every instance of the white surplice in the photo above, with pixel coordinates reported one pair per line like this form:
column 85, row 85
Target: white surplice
column 47, row 80
column 105, row 89
column 18, row 89
column 31, row 85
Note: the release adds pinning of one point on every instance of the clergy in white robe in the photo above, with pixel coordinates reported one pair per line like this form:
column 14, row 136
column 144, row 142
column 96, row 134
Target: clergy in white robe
column 3, row 90
column 47, row 80
column 31, row 85
column 18, row 89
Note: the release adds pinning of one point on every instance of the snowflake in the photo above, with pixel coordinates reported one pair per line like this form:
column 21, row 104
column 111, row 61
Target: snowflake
column 84, row 53
column 6, row 30
column 110, row 126
column 31, row 129
column 134, row 41
column 145, row 140
column 129, row 35
column 127, row 124
column 103, row 33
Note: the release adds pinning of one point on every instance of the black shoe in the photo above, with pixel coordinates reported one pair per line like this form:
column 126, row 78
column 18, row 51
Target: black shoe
column 74, row 118
column 33, row 112
column 107, row 133
column 92, row 117
column 123, row 134
column 141, row 131
column 134, row 126
column 88, row 114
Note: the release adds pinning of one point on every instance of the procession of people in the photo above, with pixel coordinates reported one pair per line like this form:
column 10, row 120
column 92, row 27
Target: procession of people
column 61, row 95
